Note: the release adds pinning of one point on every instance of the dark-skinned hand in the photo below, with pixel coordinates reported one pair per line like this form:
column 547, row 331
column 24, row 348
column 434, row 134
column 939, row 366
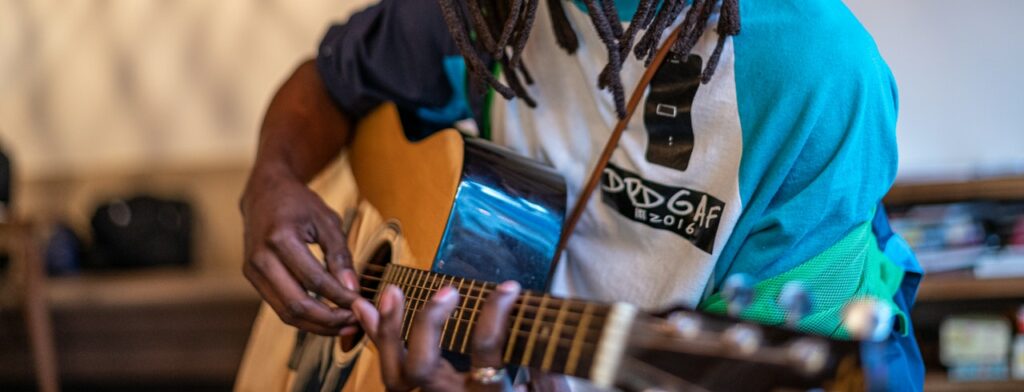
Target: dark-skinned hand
column 420, row 365
column 282, row 216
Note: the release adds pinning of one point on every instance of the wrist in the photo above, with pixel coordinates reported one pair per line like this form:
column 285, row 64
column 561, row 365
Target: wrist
column 274, row 170
column 263, row 176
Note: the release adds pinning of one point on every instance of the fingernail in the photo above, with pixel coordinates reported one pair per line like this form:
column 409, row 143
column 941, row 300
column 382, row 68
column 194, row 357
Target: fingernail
column 356, row 312
column 509, row 286
column 445, row 294
column 385, row 302
column 347, row 331
column 388, row 301
column 349, row 280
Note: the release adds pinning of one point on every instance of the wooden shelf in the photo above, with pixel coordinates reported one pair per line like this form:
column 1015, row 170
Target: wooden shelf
column 934, row 289
column 162, row 326
column 1000, row 188
column 939, row 382
column 148, row 288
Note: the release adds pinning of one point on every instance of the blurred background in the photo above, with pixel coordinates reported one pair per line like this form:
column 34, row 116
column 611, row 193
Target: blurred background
column 141, row 111
column 129, row 126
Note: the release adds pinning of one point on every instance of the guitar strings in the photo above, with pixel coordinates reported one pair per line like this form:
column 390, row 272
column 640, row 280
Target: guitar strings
column 420, row 285
column 547, row 314
column 528, row 320
column 467, row 306
column 476, row 290
column 411, row 278
column 595, row 327
column 566, row 338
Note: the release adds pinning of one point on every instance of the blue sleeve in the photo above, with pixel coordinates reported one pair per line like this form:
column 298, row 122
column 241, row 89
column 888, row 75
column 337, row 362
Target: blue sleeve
column 901, row 354
column 817, row 107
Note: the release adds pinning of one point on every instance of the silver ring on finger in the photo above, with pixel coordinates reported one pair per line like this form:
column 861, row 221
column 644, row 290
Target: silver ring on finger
column 487, row 375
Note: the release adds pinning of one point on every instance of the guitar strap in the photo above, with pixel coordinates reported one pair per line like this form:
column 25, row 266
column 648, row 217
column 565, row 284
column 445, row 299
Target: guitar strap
column 613, row 142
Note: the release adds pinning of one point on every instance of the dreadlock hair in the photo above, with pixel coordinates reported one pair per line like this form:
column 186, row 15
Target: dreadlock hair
column 498, row 30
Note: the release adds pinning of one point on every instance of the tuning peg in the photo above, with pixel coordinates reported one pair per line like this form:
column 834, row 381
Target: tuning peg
column 795, row 299
column 808, row 354
column 685, row 324
column 868, row 319
column 738, row 290
column 744, row 338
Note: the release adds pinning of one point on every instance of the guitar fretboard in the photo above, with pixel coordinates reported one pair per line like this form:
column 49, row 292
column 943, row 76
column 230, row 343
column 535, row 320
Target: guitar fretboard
column 547, row 333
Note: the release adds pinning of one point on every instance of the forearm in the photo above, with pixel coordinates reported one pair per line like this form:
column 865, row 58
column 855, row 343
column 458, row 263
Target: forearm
column 301, row 133
column 303, row 130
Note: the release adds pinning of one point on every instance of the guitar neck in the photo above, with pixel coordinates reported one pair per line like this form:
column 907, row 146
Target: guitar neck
column 573, row 337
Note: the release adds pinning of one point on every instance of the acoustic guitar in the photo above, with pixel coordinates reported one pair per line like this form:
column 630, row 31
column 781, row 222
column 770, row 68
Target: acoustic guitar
column 456, row 211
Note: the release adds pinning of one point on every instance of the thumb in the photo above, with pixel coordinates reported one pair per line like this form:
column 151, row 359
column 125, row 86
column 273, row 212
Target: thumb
column 334, row 244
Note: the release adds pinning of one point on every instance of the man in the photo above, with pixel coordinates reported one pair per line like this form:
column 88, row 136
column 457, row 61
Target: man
column 764, row 152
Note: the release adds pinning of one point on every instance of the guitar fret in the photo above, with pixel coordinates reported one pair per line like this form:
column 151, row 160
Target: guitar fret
column 433, row 285
column 429, row 285
column 556, row 335
column 423, row 293
column 472, row 318
column 458, row 320
column 532, row 340
column 407, row 312
column 444, row 329
column 414, row 293
column 388, row 272
column 509, row 348
column 448, row 320
column 402, row 283
column 427, row 291
column 577, row 342
column 396, row 275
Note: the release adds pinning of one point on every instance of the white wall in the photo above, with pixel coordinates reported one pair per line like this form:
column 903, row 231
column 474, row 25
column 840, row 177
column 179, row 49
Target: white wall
column 89, row 86
column 960, row 69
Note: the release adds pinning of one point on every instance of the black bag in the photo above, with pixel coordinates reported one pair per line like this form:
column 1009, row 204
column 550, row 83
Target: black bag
column 5, row 199
column 5, row 185
column 140, row 232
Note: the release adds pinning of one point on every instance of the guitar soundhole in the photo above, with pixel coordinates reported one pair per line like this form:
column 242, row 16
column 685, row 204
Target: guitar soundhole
column 381, row 256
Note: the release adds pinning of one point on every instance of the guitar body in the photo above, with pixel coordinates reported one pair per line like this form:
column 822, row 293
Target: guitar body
column 466, row 207
column 446, row 204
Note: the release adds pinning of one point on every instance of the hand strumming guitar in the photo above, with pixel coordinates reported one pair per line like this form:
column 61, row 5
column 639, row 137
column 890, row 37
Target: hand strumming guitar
column 280, row 221
column 302, row 132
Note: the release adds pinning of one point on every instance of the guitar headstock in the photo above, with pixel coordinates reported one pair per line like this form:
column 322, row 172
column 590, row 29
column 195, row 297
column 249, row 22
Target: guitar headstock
column 683, row 349
column 688, row 350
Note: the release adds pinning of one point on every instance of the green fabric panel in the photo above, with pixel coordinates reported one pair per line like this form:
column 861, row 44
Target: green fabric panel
column 852, row 268
column 485, row 112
